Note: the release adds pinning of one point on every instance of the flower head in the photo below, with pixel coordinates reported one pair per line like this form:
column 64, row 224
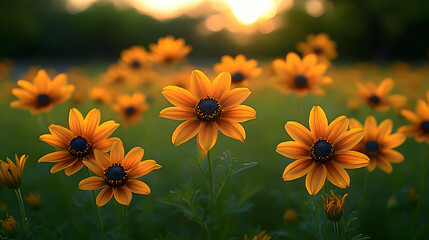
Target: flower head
column 240, row 69
column 168, row 50
column 11, row 173
column 9, row 226
column 378, row 143
column 207, row 108
column 33, row 200
column 321, row 45
column 378, row 96
column 101, row 95
column 135, row 58
column 334, row 206
column 117, row 174
column 300, row 76
column 42, row 94
column 420, row 121
column 131, row 107
column 78, row 144
column 260, row 236
column 323, row 151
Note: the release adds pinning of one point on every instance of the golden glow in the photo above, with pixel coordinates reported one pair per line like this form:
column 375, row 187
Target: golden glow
column 215, row 23
column 315, row 8
column 248, row 12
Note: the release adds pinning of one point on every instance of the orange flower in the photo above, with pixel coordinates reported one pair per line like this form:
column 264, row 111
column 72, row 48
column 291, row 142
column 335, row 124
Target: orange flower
column 240, row 69
column 78, row 143
column 378, row 97
column 43, row 94
column 321, row 45
column 420, row 121
column 378, row 143
column 302, row 77
column 208, row 106
column 131, row 107
column 11, row 173
column 322, row 152
column 101, row 95
column 117, row 174
column 135, row 58
column 334, row 206
column 168, row 50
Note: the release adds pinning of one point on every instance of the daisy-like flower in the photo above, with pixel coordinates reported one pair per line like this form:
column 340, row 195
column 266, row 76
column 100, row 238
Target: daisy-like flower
column 324, row 151
column 11, row 173
column 378, row 96
column 118, row 174
column 420, row 121
column 208, row 106
column 78, row 143
column 42, row 94
column 321, row 45
column 101, row 95
column 300, row 76
column 240, row 69
column 334, row 206
column 168, row 50
column 135, row 58
column 131, row 107
column 378, row 143
column 260, row 236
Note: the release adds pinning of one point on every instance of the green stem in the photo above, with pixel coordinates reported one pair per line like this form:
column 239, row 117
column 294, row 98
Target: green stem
column 21, row 206
column 326, row 218
column 337, row 230
column 365, row 192
column 124, row 221
column 422, row 190
column 210, row 172
column 100, row 223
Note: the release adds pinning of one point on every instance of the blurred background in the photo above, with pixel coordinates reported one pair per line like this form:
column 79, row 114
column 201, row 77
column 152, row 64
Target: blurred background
column 88, row 30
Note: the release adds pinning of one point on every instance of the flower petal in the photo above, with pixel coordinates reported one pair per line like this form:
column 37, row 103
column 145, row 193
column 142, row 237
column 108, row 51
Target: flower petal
column 61, row 132
column 207, row 135
column 391, row 156
column 297, row 169
column 104, row 131
column 76, row 122
column 102, row 159
column 336, row 128
column 393, row 140
column 234, row 97
column 318, row 122
column 117, row 152
column 354, row 123
column 315, row 178
column 384, row 129
column 179, row 97
column 70, row 170
column 186, row 131
column 384, row 165
column 299, row 133
column 94, row 167
column 410, row 116
column 91, row 122
column 63, row 164
column 231, row 129
column 55, row 157
column 177, row 113
column 200, row 84
column 144, row 168
column 351, row 159
column 92, row 183
column 123, row 195
column 54, row 141
column 104, row 196
column 241, row 113
column 221, row 85
column 138, row 187
column 349, row 139
column 293, row 150
column 133, row 158
column 337, row 175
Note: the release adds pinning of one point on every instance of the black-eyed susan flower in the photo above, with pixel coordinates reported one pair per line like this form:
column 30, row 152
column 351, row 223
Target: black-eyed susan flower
column 334, row 206
column 42, row 94
column 169, row 50
column 260, row 236
column 300, row 76
column 117, row 174
column 101, row 95
column 323, row 151
column 78, row 143
column 11, row 173
column 378, row 143
column 378, row 96
column 135, row 58
column 9, row 226
column 118, row 76
column 207, row 108
column 420, row 121
column 131, row 107
column 240, row 68
column 321, row 45
column 33, row 201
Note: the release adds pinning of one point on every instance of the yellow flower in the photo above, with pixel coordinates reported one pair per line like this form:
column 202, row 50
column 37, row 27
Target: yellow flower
column 78, row 143
column 290, row 216
column 334, row 206
column 101, row 95
column 9, row 226
column 300, row 76
column 378, row 143
column 131, row 107
column 117, row 174
column 118, row 76
column 240, row 69
column 378, row 97
column 261, row 236
column 325, row 151
column 207, row 108
column 168, row 50
column 33, row 200
column 321, row 45
column 135, row 58
column 420, row 121
column 43, row 94
column 11, row 174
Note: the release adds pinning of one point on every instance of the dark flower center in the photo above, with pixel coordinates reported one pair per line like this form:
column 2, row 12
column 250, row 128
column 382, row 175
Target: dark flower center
column 300, row 81
column 208, row 109
column 79, row 146
column 130, row 110
column 374, row 99
column 321, row 151
column 43, row 100
column 135, row 64
column 115, row 175
column 425, row 126
column 237, row 77
column 371, row 147
column 317, row 50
